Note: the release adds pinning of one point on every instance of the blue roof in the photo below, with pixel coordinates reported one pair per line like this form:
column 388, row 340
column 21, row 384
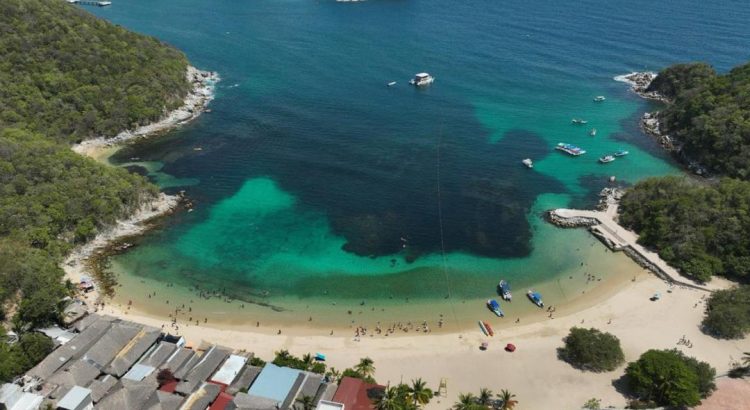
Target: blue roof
column 274, row 382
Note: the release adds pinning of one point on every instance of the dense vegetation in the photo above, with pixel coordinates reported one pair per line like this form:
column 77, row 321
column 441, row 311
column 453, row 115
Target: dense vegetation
column 23, row 355
column 700, row 229
column 592, row 350
column 728, row 313
column 65, row 76
column 669, row 378
column 69, row 75
column 709, row 115
column 505, row 400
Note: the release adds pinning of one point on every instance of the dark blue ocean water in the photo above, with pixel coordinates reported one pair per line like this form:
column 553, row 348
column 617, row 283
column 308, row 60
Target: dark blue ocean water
column 314, row 173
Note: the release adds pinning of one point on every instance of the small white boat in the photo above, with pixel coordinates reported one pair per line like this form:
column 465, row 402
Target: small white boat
column 599, row 98
column 391, row 84
column 528, row 162
column 606, row 159
column 422, row 79
column 593, row 132
column 621, row 153
column 579, row 121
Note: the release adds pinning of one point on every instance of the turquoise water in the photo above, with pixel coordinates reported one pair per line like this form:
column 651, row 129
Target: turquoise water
column 314, row 177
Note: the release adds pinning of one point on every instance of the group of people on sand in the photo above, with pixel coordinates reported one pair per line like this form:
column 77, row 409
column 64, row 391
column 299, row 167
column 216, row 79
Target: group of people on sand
column 361, row 331
column 685, row 342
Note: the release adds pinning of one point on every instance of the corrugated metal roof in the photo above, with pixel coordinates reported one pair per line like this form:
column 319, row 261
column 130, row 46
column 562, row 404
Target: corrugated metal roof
column 229, row 371
column 138, row 372
column 75, row 397
column 274, row 382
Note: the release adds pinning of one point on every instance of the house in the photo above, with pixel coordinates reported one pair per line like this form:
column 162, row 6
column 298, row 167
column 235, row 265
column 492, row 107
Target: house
column 355, row 394
column 78, row 398
column 12, row 397
column 229, row 371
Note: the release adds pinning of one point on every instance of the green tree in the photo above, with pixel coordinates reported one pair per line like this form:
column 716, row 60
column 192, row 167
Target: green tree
column 419, row 392
column 366, row 367
column 592, row 350
column 507, row 400
column 668, row 378
column 305, row 403
column 388, row 400
column 593, row 404
column 485, row 396
column 467, row 401
column 728, row 313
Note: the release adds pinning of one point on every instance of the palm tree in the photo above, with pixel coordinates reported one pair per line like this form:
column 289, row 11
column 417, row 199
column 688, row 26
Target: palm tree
column 307, row 361
column 306, row 403
column 466, row 401
column 366, row 367
column 333, row 375
column 283, row 354
column 419, row 392
column 485, row 396
column 388, row 400
column 506, row 398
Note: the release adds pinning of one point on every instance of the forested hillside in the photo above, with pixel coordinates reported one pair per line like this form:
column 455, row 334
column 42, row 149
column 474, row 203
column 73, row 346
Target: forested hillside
column 69, row 75
column 703, row 230
column 65, row 76
column 709, row 115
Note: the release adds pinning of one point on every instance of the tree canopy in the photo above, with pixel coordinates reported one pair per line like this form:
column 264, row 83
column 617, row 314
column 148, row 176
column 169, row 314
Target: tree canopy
column 70, row 76
column 669, row 378
column 728, row 313
column 592, row 350
column 700, row 229
column 709, row 115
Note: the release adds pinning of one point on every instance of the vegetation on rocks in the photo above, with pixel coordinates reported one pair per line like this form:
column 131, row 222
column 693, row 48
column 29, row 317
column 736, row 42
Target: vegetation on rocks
column 66, row 76
column 591, row 350
column 708, row 115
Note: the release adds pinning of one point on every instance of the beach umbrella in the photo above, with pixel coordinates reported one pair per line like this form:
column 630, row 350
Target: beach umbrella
column 510, row 347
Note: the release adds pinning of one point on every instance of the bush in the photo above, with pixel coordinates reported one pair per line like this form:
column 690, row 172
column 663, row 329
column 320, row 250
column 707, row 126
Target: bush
column 728, row 313
column 591, row 350
column 669, row 378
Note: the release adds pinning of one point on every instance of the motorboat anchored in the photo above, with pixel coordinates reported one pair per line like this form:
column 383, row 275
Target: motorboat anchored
column 528, row 162
column 495, row 307
column 599, row 98
column 536, row 298
column 606, row 159
column 579, row 121
column 621, row 153
column 391, row 84
column 422, row 79
column 503, row 288
column 593, row 132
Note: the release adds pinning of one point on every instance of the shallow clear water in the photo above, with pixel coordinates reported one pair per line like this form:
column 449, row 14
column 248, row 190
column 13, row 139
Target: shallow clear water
column 315, row 178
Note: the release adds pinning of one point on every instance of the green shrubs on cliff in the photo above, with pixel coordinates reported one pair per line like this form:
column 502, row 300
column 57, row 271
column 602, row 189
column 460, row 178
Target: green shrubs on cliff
column 70, row 76
column 709, row 115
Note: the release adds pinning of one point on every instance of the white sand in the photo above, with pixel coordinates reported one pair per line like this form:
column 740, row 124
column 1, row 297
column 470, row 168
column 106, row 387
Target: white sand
column 533, row 372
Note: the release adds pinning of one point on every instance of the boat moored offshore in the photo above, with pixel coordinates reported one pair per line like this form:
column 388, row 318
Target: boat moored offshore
column 621, row 153
column 606, row 159
column 422, row 79
column 579, row 121
column 599, row 98
column 570, row 149
column 593, row 132
column 528, row 162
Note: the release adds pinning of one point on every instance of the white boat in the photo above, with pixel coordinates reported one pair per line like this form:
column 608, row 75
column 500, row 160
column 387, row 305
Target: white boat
column 391, row 84
column 536, row 298
column 570, row 149
column 607, row 158
column 503, row 288
column 422, row 79
column 621, row 153
column 599, row 98
column 579, row 121
column 593, row 132
column 528, row 163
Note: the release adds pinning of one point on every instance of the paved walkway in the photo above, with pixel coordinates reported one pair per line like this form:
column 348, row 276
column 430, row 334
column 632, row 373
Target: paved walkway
column 622, row 238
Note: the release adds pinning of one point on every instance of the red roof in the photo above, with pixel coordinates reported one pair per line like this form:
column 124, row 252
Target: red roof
column 221, row 402
column 221, row 385
column 355, row 394
column 169, row 387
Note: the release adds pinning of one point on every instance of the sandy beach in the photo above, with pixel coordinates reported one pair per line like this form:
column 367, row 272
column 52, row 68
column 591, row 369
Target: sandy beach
column 533, row 372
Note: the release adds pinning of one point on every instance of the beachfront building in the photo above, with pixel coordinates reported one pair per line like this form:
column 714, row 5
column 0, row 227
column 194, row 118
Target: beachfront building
column 355, row 394
column 101, row 362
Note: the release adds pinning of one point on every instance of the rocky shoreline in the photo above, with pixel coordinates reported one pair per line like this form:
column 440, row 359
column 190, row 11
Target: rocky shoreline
column 79, row 262
column 202, row 93
column 650, row 123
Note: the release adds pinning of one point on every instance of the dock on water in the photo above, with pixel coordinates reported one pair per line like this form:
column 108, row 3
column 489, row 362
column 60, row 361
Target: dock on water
column 604, row 226
column 91, row 2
